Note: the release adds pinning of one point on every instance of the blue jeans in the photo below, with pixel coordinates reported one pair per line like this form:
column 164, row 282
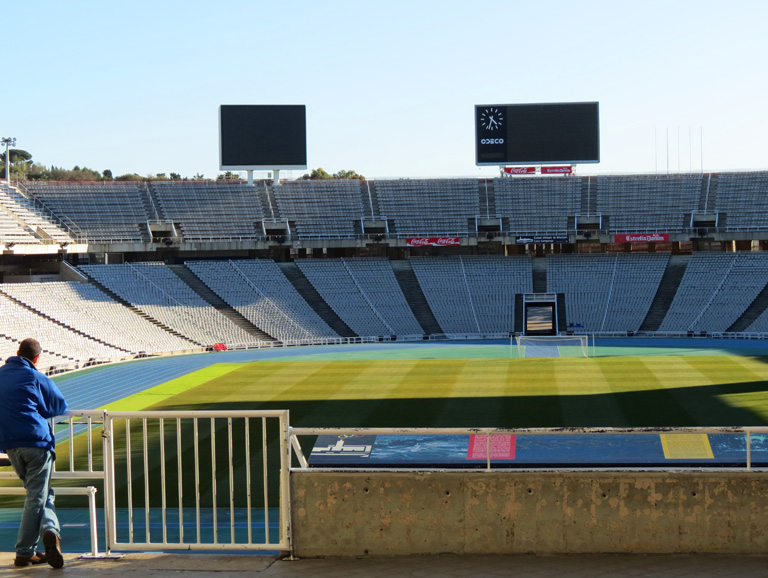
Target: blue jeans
column 34, row 467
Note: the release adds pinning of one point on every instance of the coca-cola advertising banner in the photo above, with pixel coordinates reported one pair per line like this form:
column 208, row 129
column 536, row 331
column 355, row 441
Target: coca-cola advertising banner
column 643, row 238
column 433, row 242
column 520, row 170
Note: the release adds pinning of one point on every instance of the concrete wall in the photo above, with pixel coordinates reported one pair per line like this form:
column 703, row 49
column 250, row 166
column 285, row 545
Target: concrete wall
column 396, row 513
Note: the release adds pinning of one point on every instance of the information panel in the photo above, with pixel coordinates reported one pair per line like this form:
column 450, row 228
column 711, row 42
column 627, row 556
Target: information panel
column 514, row 134
column 262, row 137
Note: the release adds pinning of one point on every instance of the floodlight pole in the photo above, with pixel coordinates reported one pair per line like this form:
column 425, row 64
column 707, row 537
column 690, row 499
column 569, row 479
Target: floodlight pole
column 8, row 142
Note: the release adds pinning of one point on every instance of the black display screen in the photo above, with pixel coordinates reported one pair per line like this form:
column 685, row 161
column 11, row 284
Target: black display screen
column 263, row 137
column 508, row 134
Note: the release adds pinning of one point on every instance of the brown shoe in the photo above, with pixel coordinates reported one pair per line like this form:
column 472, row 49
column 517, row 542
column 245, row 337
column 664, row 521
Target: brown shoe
column 29, row 560
column 53, row 549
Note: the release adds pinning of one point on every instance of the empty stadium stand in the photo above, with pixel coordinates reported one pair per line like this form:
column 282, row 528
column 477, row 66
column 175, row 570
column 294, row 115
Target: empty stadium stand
column 473, row 294
column 308, row 261
column 154, row 289
column 364, row 293
column 321, row 209
column 206, row 211
column 101, row 212
column 263, row 295
column 606, row 293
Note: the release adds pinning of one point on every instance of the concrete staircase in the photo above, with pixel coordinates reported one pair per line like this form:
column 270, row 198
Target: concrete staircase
column 314, row 299
column 539, row 275
column 410, row 287
column 670, row 282
column 755, row 309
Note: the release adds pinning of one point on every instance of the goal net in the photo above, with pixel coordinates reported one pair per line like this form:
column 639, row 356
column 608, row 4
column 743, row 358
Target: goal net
column 551, row 346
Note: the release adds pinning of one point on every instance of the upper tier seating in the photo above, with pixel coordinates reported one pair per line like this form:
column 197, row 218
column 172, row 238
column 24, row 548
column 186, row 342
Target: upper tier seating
column 535, row 205
column 743, row 197
column 207, row 211
column 642, row 203
column 439, row 207
column 473, row 294
column 364, row 294
column 21, row 218
column 606, row 292
column 715, row 290
column 261, row 293
column 160, row 293
column 328, row 209
column 101, row 212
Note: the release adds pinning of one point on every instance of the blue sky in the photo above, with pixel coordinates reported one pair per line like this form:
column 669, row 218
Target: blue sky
column 390, row 87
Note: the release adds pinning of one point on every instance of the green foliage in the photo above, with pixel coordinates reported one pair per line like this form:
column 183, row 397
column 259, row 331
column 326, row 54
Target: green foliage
column 321, row 174
column 229, row 176
column 129, row 177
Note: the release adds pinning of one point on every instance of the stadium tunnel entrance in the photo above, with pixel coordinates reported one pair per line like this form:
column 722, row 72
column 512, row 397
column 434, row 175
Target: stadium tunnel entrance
column 540, row 314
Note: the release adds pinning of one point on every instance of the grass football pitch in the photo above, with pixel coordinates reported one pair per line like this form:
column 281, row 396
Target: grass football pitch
column 663, row 391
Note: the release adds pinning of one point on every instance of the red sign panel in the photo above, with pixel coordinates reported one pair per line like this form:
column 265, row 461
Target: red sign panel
column 502, row 447
column 557, row 170
column 643, row 238
column 520, row 170
column 433, row 242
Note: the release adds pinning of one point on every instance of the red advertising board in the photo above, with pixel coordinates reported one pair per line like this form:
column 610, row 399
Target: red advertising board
column 566, row 170
column 433, row 241
column 520, row 170
column 643, row 238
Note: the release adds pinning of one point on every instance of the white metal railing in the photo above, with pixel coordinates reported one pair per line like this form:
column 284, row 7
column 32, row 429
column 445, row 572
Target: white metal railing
column 179, row 480
column 296, row 433
column 206, row 471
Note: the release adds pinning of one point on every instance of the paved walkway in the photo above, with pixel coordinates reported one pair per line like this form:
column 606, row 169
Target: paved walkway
column 581, row 566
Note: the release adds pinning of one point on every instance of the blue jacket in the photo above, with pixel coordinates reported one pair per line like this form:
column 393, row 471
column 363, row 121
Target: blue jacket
column 28, row 399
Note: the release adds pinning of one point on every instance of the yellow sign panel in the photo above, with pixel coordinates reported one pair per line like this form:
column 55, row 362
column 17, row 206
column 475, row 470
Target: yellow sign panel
column 687, row 447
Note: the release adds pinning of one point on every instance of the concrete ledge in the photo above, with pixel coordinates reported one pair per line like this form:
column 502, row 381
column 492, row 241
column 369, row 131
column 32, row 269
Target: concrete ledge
column 513, row 512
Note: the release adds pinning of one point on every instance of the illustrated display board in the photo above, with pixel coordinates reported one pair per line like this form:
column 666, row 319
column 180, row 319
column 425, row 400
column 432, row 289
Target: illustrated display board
column 537, row 450
column 519, row 134
column 262, row 137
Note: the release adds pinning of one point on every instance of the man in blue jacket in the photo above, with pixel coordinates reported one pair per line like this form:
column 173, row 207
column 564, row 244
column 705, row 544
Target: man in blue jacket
column 28, row 399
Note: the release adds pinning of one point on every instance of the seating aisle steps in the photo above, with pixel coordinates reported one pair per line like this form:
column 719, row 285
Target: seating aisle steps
column 205, row 292
column 670, row 282
column 314, row 300
column 406, row 278
column 755, row 309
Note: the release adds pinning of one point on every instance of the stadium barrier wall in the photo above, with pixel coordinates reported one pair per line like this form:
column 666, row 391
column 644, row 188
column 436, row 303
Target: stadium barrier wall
column 394, row 513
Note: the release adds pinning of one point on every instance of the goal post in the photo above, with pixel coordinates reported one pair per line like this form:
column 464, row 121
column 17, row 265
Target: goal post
column 551, row 345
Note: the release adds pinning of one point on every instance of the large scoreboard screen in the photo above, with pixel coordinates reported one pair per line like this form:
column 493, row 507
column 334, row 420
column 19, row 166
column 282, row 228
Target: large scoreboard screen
column 515, row 134
column 262, row 137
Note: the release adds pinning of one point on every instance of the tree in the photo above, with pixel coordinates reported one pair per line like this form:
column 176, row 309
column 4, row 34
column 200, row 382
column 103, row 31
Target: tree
column 21, row 162
column 317, row 174
column 348, row 175
column 228, row 176
column 107, row 175
column 175, row 177
column 129, row 177
column 199, row 177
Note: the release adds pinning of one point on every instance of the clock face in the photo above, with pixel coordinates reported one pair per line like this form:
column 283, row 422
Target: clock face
column 491, row 119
